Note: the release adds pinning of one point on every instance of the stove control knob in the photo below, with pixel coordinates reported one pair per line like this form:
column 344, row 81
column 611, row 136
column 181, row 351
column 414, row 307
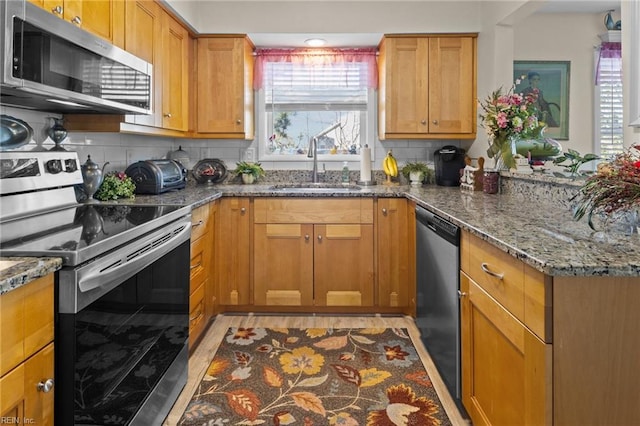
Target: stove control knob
column 54, row 166
column 70, row 165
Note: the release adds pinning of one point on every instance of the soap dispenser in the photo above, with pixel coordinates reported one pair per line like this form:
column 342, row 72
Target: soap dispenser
column 345, row 172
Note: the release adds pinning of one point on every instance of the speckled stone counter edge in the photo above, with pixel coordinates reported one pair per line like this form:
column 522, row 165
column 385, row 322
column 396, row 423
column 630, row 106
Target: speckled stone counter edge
column 29, row 269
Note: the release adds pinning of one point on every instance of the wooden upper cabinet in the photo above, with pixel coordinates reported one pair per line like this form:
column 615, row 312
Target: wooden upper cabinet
column 175, row 74
column 143, row 38
column 427, row 87
column 224, row 89
column 100, row 17
column 152, row 34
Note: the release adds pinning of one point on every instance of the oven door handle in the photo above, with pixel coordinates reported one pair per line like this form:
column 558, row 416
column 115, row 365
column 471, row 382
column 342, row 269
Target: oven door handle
column 130, row 262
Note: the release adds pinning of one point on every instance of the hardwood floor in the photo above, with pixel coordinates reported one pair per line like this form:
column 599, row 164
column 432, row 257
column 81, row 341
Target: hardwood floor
column 202, row 356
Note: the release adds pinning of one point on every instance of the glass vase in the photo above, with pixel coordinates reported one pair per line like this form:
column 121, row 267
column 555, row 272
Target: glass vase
column 504, row 159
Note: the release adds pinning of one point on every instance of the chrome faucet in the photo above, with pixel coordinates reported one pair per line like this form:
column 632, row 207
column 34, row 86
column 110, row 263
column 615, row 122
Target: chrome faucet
column 312, row 151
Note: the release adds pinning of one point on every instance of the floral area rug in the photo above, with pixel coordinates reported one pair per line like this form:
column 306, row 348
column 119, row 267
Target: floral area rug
column 280, row 376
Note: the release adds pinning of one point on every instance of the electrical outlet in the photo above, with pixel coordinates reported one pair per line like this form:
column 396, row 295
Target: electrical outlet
column 249, row 154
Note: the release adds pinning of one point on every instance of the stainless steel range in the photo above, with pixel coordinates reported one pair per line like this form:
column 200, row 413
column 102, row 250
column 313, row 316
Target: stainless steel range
column 122, row 296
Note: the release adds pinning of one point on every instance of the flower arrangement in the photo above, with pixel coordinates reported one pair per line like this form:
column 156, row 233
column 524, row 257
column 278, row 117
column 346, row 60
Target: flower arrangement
column 614, row 188
column 508, row 115
column 116, row 185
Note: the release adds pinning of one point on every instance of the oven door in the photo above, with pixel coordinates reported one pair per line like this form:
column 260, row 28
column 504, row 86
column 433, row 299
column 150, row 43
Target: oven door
column 122, row 352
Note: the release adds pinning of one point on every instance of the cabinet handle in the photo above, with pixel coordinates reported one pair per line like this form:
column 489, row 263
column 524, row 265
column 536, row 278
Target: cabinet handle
column 168, row 115
column 76, row 20
column 45, row 386
column 461, row 294
column 319, row 237
column 197, row 265
column 423, row 122
column 194, row 225
column 243, row 210
column 384, row 212
column 485, row 268
column 238, row 121
column 57, row 10
column 306, row 237
column 435, row 122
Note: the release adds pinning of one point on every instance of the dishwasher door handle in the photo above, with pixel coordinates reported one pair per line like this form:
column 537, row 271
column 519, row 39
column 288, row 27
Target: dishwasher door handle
column 485, row 268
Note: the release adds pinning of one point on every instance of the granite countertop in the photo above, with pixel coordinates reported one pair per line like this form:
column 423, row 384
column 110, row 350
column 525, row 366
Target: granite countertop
column 543, row 235
column 26, row 270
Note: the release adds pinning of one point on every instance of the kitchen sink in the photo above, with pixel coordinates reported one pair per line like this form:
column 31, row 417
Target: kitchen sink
column 315, row 187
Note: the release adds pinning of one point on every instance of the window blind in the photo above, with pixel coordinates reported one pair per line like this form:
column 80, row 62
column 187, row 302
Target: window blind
column 609, row 104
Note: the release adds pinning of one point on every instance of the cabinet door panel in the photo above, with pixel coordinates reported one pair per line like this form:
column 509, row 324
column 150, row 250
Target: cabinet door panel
column 12, row 398
column 233, row 249
column 143, row 32
column 451, row 85
column 394, row 282
column 220, row 85
column 283, row 264
column 97, row 17
column 343, row 255
column 39, row 404
column 504, row 365
column 175, row 71
column 407, row 85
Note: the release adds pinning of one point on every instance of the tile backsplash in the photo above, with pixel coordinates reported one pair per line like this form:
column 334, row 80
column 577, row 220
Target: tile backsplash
column 122, row 149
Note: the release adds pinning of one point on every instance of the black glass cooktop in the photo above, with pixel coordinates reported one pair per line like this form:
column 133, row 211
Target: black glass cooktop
column 70, row 232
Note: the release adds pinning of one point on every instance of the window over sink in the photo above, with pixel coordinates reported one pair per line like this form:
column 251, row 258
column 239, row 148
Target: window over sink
column 323, row 93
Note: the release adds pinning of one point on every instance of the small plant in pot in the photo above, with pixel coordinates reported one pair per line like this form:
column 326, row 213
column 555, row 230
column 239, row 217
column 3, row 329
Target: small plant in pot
column 417, row 172
column 249, row 171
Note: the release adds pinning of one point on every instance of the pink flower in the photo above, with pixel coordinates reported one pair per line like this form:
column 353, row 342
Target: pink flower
column 502, row 120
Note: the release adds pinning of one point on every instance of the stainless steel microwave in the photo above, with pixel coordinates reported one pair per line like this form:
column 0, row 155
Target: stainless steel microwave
column 52, row 65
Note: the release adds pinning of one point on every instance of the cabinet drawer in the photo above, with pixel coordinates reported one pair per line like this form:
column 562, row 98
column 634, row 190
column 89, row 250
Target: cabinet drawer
column 199, row 262
column 498, row 273
column 196, row 314
column 524, row 291
column 199, row 222
column 296, row 210
column 26, row 321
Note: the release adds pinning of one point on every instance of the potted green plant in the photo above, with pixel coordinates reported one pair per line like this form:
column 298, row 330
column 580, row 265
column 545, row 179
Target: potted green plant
column 417, row 172
column 249, row 171
column 575, row 160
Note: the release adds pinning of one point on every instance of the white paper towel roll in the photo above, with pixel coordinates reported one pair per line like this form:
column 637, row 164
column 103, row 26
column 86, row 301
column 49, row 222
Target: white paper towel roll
column 365, row 164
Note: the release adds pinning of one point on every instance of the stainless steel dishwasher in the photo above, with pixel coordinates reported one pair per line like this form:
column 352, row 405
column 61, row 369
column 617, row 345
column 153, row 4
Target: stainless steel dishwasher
column 437, row 284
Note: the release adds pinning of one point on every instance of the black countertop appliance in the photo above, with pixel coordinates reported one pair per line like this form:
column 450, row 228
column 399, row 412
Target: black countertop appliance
column 157, row 176
column 448, row 162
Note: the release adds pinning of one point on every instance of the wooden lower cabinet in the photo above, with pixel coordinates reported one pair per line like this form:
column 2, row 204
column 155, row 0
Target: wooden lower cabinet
column 301, row 261
column 395, row 248
column 343, row 265
column 199, row 274
column 283, row 264
column 27, row 354
column 233, row 250
column 504, row 365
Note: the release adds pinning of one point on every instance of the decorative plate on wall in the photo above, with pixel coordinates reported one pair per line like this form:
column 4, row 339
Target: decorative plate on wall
column 14, row 133
column 209, row 171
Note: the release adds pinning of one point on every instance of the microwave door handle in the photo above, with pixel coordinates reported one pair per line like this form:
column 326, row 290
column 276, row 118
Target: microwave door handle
column 112, row 277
